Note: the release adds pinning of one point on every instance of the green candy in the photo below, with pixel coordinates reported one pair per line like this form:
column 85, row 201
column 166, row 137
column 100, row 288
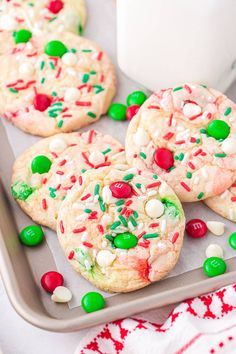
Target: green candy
column 21, row 190
column 92, row 302
column 41, row 164
column 125, row 241
column 55, row 49
column 22, row 36
column 31, row 235
column 136, row 98
column 214, row 266
column 218, row 129
column 117, row 111
column 232, row 240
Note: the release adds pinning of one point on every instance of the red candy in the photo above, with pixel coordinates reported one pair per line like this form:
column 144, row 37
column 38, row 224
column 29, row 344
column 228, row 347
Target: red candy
column 164, row 158
column 131, row 111
column 120, row 190
column 51, row 280
column 55, row 6
column 196, row 228
column 41, row 102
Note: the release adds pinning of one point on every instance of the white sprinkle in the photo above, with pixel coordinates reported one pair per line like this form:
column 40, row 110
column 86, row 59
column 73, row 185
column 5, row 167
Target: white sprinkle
column 87, row 264
column 214, row 250
column 95, row 198
column 106, row 195
column 84, row 236
column 131, row 226
column 141, row 138
column 94, row 253
column 231, row 213
column 96, row 158
column 105, row 258
column 71, row 71
column 196, row 180
column 140, row 225
column 69, row 59
column 191, row 110
column 151, row 193
column 57, row 145
column 72, row 94
column 204, row 173
column 163, row 226
column 106, row 219
column 224, row 194
column 81, row 217
column 104, row 244
column 216, row 227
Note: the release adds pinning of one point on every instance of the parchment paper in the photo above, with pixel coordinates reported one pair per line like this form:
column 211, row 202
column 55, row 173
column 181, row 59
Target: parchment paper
column 101, row 28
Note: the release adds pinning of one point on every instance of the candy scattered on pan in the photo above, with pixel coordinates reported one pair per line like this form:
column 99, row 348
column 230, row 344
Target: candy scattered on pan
column 214, row 250
column 31, row 235
column 214, row 266
column 51, row 280
column 117, row 111
column 136, row 98
column 216, row 227
column 61, row 294
column 196, row 228
column 232, row 240
column 92, row 302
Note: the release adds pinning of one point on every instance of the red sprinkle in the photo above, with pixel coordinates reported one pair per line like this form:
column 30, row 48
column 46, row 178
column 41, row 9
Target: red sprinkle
column 142, row 234
column 170, row 120
column 86, row 196
column 62, row 227
column 153, row 185
column 168, row 136
column 153, row 107
column 80, row 180
column 198, row 152
column 123, row 211
column 87, row 244
column 180, row 142
column 78, row 231
column 187, row 88
column 44, row 204
column 191, row 165
column 61, row 173
column 100, row 228
column 62, row 163
column 192, row 140
column 128, row 203
column 44, row 180
column 91, row 135
column 58, row 73
column 55, row 6
column 71, row 255
column 73, row 179
column 100, row 54
column 185, row 186
column 154, row 224
column 175, row 237
column 83, row 104
column 233, row 199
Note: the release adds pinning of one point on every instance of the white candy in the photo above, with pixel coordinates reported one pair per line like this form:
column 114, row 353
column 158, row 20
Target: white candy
column 8, row 23
column 69, row 59
column 216, row 227
column 57, row 145
column 61, row 294
column 154, row 208
column 105, row 258
column 229, row 146
column 191, row 109
column 214, row 250
column 26, row 69
column 106, row 195
column 96, row 158
column 72, row 94
column 141, row 138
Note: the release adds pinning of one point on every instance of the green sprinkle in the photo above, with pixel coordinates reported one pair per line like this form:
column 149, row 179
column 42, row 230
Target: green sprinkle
column 133, row 222
column 86, row 50
column 52, row 65
column 181, row 156
column 178, row 88
column 85, row 78
column 228, row 111
column 176, row 157
column 83, row 170
column 30, row 4
column 88, row 211
column 11, row 89
column 189, row 175
column 56, row 104
column 135, row 214
column 198, row 141
column 200, row 195
column 106, row 151
column 115, row 225
column 120, row 202
column 122, row 219
column 52, row 115
column 205, row 86
column 92, row 72
column 60, row 124
column 119, row 209
column 172, row 168
column 141, row 154
column 155, row 176
column 96, row 189
column 52, row 192
column 98, row 88
column 42, row 65
column 220, row 155
column 150, row 236
column 91, row 114
column 203, row 131
column 128, row 177
column 101, row 204
column 138, row 185
column 109, row 237
column 54, row 93
column 81, row 29
column 53, row 19
column 42, row 80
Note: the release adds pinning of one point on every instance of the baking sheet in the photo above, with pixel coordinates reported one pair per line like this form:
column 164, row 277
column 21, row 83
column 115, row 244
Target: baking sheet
column 101, row 28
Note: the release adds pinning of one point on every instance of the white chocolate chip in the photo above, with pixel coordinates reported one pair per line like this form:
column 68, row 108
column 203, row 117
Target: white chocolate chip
column 69, row 59
column 154, row 208
column 191, row 109
column 141, row 138
column 216, row 227
column 57, row 145
column 106, row 195
column 72, row 94
column 61, row 294
column 8, row 23
column 214, row 250
column 229, row 146
column 26, row 69
column 96, row 158
column 105, row 258
column 106, row 219
column 36, row 180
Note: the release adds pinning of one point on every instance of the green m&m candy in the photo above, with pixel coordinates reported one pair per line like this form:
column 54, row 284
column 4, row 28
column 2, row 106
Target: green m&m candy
column 125, row 241
column 31, row 235
column 137, row 98
column 214, row 266
column 92, row 302
column 232, row 240
column 55, row 49
column 22, row 36
column 218, row 129
column 40, row 164
column 117, row 111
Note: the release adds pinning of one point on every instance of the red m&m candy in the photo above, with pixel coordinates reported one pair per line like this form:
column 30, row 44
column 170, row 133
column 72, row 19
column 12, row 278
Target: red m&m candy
column 131, row 111
column 196, row 228
column 41, row 102
column 55, row 6
column 164, row 158
column 121, row 190
column 51, row 280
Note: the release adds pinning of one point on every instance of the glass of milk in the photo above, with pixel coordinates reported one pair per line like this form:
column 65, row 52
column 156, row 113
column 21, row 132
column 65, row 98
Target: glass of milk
column 162, row 43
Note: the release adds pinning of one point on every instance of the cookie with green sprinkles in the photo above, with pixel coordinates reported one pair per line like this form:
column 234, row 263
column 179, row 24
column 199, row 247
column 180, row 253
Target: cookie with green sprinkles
column 41, row 17
column 121, row 228
column 43, row 175
column 187, row 136
column 61, row 83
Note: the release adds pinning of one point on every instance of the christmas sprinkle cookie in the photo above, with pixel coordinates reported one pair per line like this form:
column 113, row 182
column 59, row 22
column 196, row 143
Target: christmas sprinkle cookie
column 187, row 135
column 43, row 175
column 225, row 203
column 42, row 17
column 55, row 83
column 121, row 229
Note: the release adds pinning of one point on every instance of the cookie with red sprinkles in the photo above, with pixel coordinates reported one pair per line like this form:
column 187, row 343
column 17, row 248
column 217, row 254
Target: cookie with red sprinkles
column 55, row 83
column 45, row 172
column 187, row 135
column 121, row 228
